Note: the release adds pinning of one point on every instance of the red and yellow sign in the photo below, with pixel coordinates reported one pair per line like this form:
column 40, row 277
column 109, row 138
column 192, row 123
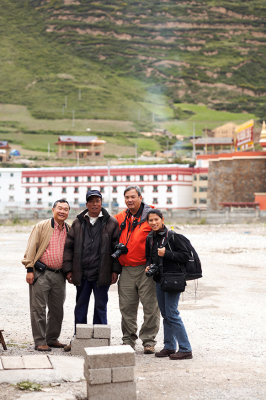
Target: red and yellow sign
column 243, row 136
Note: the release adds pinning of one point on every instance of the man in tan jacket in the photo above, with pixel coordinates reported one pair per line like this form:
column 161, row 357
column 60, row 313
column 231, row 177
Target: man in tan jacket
column 43, row 259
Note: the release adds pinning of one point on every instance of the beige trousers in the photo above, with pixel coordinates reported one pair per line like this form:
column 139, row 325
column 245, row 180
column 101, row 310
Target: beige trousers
column 135, row 286
column 47, row 292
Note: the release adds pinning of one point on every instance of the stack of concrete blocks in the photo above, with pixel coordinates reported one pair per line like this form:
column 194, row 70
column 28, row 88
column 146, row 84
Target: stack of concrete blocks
column 109, row 372
column 90, row 336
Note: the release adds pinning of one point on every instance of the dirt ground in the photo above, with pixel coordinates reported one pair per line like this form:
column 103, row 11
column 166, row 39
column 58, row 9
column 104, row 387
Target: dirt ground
column 225, row 320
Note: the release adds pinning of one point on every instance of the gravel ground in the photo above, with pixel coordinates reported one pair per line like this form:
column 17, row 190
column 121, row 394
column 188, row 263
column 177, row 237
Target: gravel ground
column 225, row 321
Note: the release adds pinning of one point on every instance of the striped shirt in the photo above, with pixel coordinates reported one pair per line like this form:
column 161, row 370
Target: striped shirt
column 53, row 255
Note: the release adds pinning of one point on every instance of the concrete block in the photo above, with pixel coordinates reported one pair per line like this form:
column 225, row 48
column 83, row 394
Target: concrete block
column 78, row 345
column 84, row 331
column 36, row 362
column 109, row 357
column 98, row 376
column 12, row 362
column 102, row 331
column 112, row 391
column 122, row 374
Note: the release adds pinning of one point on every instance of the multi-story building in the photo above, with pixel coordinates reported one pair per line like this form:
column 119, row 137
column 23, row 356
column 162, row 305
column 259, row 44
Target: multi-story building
column 164, row 186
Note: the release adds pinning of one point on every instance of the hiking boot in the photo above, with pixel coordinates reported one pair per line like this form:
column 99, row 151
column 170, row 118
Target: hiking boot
column 164, row 353
column 67, row 348
column 42, row 347
column 148, row 349
column 179, row 355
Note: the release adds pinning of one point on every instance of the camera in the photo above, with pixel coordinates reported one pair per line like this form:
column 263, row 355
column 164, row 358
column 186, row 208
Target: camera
column 120, row 248
column 153, row 270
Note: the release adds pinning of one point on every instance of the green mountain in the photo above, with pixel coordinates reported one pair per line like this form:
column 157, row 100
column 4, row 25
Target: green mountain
column 132, row 60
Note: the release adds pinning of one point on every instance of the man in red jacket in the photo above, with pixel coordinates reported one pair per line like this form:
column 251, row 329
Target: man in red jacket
column 134, row 285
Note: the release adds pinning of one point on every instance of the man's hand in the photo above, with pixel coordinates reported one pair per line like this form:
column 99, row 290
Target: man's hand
column 69, row 277
column 30, row 278
column 114, row 278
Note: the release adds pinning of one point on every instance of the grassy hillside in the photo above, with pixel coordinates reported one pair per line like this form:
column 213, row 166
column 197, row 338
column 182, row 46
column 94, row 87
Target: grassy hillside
column 132, row 61
column 205, row 51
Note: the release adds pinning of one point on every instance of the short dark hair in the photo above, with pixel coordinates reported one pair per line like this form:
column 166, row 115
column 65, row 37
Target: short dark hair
column 136, row 187
column 155, row 211
column 61, row 201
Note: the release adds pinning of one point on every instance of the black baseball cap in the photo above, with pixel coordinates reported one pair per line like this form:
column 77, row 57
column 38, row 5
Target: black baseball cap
column 91, row 193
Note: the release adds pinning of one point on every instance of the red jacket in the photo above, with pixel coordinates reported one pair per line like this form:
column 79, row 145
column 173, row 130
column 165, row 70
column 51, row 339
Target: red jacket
column 134, row 239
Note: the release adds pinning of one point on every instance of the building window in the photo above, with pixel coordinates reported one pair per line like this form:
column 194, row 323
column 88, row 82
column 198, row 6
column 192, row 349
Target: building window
column 89, row 188
column 27, row 201
column 102, row 179
column 155, row 200
column 11, row 198
column 11, row 187
column 27, row 190
column 64, row 179
column 195, row 177
column 195, row 201
column 141, row 178
column 155, row 189
column 76, row 190
column 115, row 200
column 203, row 201
column 155, row 177
column 76, row 201
column 114, row 189
column 64, row 190
column 50, row 194
column 128, row 178
column 97, row 153
column 169, row 177
column 203, row 178
column 102, row 189
column 39, row 179
column 89, row 178
column 142, row 189
column 39, row 201
column 169, row 188
column 11, row 174
column 27, row 180
column 39, row 190
column 203, row 189
column 50, row 183
column 114, row 178
column 76, row 178
column 169, row 200
column 195, row 188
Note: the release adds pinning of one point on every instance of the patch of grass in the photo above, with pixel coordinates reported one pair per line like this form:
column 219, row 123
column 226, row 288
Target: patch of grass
column 27, row 385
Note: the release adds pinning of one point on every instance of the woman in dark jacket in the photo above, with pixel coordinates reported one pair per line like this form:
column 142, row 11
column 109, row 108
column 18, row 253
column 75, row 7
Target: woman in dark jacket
column 167, row 250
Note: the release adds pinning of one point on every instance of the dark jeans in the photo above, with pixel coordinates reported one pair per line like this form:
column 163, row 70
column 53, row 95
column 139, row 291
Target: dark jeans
column 82, row 303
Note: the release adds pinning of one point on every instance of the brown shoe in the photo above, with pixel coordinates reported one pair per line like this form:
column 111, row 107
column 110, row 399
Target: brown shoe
column 164, row 353
column 42, row 347
column 57, row 345
column 67, row 348
column 179, row 355
column 149, row 349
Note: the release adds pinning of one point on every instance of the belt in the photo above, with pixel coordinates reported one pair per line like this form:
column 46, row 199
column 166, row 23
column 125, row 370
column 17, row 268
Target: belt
column 54, row 270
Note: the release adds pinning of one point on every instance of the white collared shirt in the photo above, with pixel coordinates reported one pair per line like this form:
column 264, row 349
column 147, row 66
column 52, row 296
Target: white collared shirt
column 93, row 219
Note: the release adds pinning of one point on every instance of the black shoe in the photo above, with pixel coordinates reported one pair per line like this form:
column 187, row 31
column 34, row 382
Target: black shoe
column 179, row 355
column 164, row 353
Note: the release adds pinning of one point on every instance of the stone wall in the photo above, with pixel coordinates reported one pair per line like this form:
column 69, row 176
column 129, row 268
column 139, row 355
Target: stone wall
column 235, row 180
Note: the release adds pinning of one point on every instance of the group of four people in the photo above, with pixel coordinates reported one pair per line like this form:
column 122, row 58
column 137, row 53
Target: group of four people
column 91, row 254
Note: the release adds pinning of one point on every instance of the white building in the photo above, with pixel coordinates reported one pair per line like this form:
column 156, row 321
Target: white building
column 164, row 186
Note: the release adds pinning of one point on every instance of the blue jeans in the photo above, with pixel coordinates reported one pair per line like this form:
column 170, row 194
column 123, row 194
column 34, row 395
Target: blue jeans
column 174, row 329
column 82, row 303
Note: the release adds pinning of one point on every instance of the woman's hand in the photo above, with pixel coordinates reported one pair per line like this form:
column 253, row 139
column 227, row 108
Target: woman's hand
column 147, row 268
column 161, row 252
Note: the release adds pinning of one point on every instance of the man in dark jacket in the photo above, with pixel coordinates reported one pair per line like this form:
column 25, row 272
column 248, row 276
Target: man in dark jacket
column 87, row 261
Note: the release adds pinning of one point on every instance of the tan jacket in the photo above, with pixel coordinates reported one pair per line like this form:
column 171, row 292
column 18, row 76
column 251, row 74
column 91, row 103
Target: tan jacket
column 38, row 241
